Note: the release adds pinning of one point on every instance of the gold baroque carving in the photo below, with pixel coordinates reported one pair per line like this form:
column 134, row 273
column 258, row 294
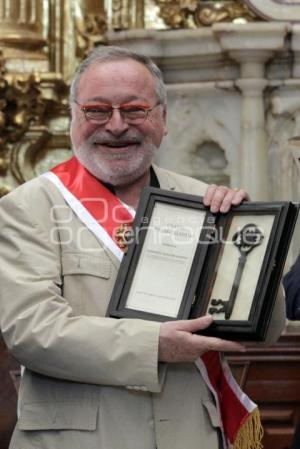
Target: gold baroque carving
column 176, row 13
column 23, row 108
column 126, row 14
column 21, row 105
column 223, row 12
column 90, row 31
column 193, row 13
column 120, row 15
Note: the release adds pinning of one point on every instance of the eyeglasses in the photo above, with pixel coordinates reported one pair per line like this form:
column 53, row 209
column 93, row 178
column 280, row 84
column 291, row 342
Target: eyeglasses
column 101, row 113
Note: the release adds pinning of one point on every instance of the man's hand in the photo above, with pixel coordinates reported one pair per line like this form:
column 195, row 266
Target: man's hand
column 221, row 198
column 177, row 343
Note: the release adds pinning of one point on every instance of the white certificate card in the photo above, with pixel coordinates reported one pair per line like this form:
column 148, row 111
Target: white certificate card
column 166, row 259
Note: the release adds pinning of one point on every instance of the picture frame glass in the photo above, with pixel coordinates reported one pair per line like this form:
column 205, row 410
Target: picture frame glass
column 165, row 260
column 246, row 243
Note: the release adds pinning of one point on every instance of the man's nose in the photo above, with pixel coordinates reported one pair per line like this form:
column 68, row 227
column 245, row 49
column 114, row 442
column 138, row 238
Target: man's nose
column 116, row 124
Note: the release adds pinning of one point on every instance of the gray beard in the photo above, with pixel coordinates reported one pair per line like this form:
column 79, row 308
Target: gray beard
column 108, row 171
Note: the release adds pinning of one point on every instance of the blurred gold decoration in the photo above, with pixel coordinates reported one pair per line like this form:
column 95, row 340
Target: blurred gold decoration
column 120, row 15
column 126, row 14
column 176, row 13
column 23, row 106
column 230, row 11
column 3, row 166
column 90, row 30
column 27, row 151
column 193, row 13
column 4, row 190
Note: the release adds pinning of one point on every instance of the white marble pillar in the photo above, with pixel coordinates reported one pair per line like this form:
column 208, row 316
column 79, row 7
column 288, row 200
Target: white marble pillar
column 253, row 145
column 252, row 47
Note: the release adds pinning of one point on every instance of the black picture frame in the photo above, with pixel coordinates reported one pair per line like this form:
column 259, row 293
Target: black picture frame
column 210, row 250
column 144, row 224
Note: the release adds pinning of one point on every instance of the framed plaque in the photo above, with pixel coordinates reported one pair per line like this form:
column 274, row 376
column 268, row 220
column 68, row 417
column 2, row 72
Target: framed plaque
column 159, row 275
column 245, row 261
column 185, row 262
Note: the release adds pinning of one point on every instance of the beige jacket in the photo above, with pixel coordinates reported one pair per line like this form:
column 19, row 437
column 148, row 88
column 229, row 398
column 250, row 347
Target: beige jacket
column 90, row 382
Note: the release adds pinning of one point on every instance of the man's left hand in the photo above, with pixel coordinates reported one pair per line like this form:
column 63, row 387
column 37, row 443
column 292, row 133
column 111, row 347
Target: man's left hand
column 221, row 198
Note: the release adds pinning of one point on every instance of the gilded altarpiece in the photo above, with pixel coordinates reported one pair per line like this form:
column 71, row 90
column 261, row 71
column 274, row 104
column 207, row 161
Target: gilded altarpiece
column 41, row 42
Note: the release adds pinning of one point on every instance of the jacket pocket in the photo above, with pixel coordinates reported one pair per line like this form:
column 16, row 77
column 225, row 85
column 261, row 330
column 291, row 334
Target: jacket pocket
column 87, row 281
column 77, row 263
column 58, row 416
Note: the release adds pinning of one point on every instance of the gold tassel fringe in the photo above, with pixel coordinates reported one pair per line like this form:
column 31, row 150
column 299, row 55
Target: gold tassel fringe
column 250, row 434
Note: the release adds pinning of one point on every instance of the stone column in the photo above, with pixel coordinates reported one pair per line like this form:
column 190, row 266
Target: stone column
column 252, row 47
column 254, row 150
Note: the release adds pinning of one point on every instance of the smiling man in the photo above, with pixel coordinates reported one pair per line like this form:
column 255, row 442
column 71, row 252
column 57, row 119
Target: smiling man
column 91, row 381
column 121, row 150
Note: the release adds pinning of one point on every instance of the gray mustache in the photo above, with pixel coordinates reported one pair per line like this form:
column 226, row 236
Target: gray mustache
column 109, row 140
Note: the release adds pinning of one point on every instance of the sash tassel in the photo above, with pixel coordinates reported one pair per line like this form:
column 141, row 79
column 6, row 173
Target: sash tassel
column 250, row 434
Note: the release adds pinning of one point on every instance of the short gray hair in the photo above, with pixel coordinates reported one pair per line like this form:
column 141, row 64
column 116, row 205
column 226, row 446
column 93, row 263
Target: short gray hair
column 112, row 53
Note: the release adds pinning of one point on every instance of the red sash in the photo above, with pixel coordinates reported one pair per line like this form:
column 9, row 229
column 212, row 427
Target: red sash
column 102, row 212
column 240, row 417
column 99, row 209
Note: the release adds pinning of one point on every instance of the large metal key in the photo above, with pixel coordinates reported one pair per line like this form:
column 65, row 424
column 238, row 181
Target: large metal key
column 245, row 240
column 235, row 286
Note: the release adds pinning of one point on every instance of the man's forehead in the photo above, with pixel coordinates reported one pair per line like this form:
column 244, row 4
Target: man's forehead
column 121, row 68
column 127, row 76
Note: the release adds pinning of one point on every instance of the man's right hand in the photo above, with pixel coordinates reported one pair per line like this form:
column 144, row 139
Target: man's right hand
column 179, row 343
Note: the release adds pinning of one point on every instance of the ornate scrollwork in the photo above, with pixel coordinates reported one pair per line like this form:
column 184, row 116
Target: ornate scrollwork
column 197, row 13
column 230, row 11
column 176, row 13
column 90, row 31
column 120, row 15
column 22, row 104
column 23, row 107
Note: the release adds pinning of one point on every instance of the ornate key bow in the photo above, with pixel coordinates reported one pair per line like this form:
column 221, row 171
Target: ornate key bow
column 245, row 240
